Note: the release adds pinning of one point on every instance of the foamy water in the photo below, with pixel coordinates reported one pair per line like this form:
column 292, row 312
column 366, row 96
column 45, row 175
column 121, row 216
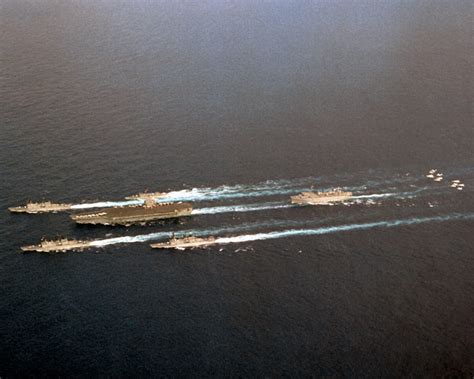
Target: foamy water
column 342, row 228
column 278, row 234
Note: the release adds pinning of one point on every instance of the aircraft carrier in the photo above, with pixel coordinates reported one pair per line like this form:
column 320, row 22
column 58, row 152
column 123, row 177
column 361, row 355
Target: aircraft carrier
column 134, row 214
column 43, row 207
column 57, row 246
column 321, row 198
column 185, row 242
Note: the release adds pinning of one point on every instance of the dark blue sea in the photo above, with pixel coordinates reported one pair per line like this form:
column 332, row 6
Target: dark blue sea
column 235, row 106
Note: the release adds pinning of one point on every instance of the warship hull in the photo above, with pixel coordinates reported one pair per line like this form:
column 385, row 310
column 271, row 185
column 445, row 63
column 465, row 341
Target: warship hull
column 54, row 247
column 133, row 214
column 146, row 195
column 41, row 209
column 320, row 201
column 181, row 244
column 320, row 198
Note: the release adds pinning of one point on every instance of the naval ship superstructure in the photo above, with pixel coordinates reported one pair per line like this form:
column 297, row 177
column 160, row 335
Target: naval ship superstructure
column 43, row 207
column 146, row 195
column 321, row 198
column 185, row 242
column 56, row 246
column 134, row 214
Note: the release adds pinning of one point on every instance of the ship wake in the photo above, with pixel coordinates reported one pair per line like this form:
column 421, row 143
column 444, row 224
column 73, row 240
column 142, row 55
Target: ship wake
column 263, row 189
column 341, row 228
column 242, row 208
column 281, row 233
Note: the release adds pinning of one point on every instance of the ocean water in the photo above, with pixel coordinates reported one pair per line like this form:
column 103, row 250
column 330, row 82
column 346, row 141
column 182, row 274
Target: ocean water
column 236, row 106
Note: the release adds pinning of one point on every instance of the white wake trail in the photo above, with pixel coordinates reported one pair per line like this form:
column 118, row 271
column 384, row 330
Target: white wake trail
column 107, row 204
column 374, row 195
column 279, row 205
column 341, row 228
column 276, row 234
column 207, row 232
column 226, row 192
column 191, row 195
column 241, row 208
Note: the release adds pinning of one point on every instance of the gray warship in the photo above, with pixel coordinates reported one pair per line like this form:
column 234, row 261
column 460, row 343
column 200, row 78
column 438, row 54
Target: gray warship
column 134, row 214
column 185, row 242
column 321, row 198
column 146, row 195
column 43, row 207
column 57, row 246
